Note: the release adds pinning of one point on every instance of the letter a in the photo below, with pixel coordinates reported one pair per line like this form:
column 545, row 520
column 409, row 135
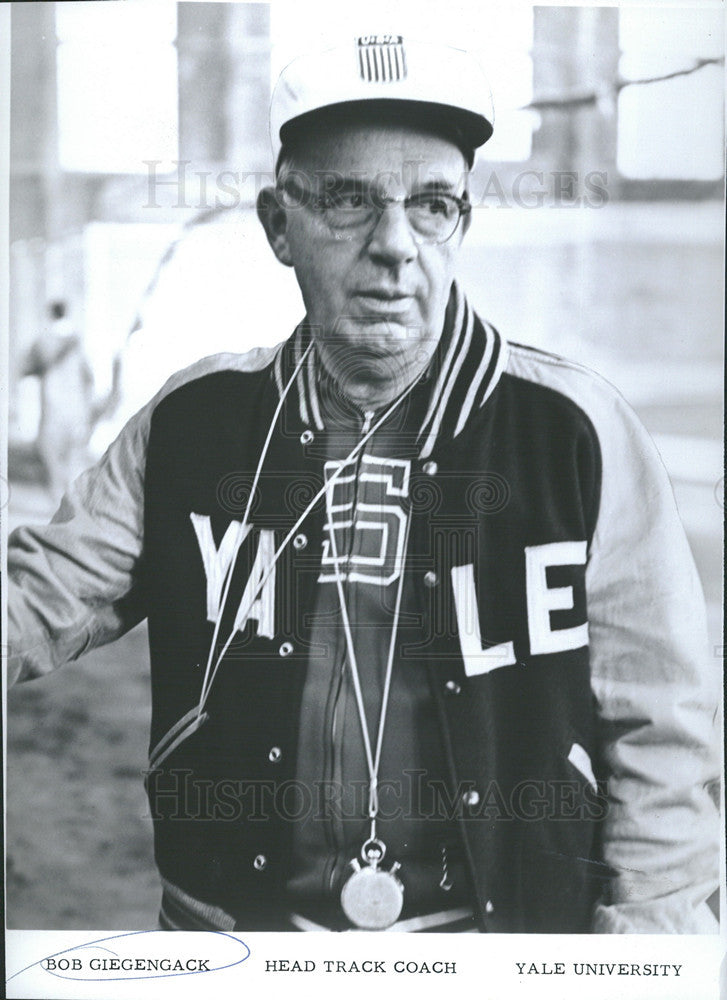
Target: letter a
column 258, row 601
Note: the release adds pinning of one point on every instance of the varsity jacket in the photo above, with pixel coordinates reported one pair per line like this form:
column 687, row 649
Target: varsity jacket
column 550, row 592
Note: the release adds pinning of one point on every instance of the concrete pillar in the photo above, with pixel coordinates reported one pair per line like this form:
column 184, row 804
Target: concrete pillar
column 576, row 52
column 203, row 70
column 248, row 87
column 33, row 130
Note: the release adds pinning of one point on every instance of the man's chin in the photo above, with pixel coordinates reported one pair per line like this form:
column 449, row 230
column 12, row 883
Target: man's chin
column 382, row 336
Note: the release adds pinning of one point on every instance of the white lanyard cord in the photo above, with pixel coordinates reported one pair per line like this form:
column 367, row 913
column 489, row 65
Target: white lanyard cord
column 373, row 760
column 241, row 529
column 207, row 684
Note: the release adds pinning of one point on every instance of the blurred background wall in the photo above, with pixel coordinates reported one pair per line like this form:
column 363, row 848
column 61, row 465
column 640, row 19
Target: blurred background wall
column 138, row 143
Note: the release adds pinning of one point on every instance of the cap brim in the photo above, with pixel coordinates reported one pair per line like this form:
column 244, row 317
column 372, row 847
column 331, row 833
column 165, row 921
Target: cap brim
column 466, row 129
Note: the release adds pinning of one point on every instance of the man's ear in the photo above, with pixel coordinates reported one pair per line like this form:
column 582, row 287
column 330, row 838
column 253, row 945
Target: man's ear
column 274, row 221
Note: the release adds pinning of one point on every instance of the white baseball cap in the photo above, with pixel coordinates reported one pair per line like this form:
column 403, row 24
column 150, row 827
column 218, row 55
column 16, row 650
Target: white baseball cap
column 384, row 72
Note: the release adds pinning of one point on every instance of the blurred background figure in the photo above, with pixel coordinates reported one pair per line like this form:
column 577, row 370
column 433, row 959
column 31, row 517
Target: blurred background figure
column 139, row 142
column 68, row 410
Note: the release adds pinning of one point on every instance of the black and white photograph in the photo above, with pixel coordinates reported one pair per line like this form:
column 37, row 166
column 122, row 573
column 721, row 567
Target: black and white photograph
column 363, row 499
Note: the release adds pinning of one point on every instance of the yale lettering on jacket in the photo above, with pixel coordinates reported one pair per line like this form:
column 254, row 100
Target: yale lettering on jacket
column 258, row 598
column 542, row 599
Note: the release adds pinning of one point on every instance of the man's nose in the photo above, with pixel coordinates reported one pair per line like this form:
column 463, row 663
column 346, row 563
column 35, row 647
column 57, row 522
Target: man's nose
column 392, row 240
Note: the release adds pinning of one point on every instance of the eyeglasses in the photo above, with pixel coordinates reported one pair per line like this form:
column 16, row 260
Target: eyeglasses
column 433, row 216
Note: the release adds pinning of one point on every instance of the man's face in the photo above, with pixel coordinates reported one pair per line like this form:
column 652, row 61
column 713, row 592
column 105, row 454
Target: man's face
column 375, row 296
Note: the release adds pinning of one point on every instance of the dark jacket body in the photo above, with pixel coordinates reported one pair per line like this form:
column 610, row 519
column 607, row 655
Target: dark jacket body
column 524, row 473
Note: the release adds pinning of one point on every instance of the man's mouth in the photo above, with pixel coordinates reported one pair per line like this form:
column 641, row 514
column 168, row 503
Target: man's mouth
column 384, row 301
column 384, row 294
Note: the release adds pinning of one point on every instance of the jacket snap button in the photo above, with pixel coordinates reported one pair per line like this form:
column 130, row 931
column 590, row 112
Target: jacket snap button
column 430, row 468
column 430, row 579
column 471, row 798
column 307, row 436
column 489, row 906
column 274, row 754
column 260, row 863
column 452, row 687
column 300, row 542
column 286, row 649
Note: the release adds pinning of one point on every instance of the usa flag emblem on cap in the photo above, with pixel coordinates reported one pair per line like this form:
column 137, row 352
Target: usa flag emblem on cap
column 381, row 58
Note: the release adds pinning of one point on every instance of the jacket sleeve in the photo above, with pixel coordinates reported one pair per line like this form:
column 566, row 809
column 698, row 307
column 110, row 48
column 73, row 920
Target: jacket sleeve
column 657, row 689
column 75, row 583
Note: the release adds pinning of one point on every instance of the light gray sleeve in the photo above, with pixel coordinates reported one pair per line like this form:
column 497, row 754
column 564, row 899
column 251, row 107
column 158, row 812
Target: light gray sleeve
column 74, row 583
column 657, row 689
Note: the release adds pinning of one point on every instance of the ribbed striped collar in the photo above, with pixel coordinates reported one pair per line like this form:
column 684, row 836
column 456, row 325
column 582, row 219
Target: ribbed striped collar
column 465, row 369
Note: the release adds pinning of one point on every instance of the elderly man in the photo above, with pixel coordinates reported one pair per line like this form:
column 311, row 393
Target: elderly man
column 426, row 637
